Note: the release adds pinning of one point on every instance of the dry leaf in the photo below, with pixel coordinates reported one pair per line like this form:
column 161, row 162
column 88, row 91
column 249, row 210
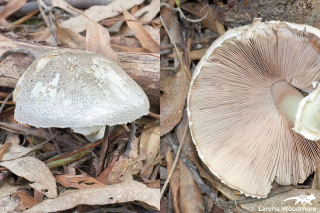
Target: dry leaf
column 78, row 181
column 8, row 204
column 11, row 7
column 149, row 146
column 148, row 12
column 15, row 151
column 65, row 6
column 172, row 101
column 200, row 11
column 194, row 54
column 26, row 200
column 3, row 149
column 119, row 193
column 143, row 36
column 191, row 199
column 36, row 172
column 174, row 182
column 69, row 38
column 8, row 188
column 98, row 40
column 118, row 170
column 98, row 13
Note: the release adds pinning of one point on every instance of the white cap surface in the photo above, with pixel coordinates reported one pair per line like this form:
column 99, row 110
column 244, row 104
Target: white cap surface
column 77, row 89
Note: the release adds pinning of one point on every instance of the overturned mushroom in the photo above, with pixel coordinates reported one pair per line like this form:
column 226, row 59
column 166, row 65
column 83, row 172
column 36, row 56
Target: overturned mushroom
column 81, row 90
column 246, row 96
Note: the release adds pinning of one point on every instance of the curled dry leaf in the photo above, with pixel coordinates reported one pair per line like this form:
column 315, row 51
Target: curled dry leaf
column 69, row 38
column 117, row 193
column 11, row 7
column 35, row 171
column 173, row 99
column 8, row 188
column 98, row 40
column 98, row 13
column 143, row 36
column 148, row 12
column 14, row 152
column 78, row 181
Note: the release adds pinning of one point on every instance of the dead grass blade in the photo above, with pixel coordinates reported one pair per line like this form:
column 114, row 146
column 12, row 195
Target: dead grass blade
column 143, row 36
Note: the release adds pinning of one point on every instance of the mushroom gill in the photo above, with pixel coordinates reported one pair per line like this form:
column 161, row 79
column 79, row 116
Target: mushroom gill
column 241, row 133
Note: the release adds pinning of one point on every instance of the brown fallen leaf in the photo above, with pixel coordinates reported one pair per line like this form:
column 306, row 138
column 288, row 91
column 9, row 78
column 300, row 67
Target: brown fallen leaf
column 98, row 13
column 117, row 173
column 173, row 99
column 174, row 181
column 194, row 55
column 26, row 200
column 113, row 194
column 191, row 199
column 200, row 11
column 69, row 38
column 98, row 40
column 14, row 152
column 149, row 146
column 149, row 12
column 66, row 7
column 7, row 187
column 11, row 7
column 143, row 36
column 78, row 181
column 3, row 149
column 35, row 171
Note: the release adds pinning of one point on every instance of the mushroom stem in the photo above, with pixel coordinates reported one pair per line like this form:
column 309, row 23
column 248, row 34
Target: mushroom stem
column 287, row 99
column 93, row 133
column 302, row 111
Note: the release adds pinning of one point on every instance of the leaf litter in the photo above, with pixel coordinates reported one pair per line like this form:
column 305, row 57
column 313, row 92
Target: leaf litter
column 65, row 177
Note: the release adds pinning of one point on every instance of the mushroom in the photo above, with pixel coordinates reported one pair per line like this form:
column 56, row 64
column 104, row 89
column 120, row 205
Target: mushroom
column 81, row 90
column 246, row 105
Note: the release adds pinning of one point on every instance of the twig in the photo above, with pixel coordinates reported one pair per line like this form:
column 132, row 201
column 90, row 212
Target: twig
column 175, row 162
column 154, row 115
column 47, row 21
column 39, row 146
column 175, row 46
column 182, row 16
column 104, row 148
column 204, row 188
column 5, row 101
column 133, row 129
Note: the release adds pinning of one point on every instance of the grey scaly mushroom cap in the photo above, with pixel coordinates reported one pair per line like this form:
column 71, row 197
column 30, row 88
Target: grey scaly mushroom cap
column 235, row 124
column 73, row 88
